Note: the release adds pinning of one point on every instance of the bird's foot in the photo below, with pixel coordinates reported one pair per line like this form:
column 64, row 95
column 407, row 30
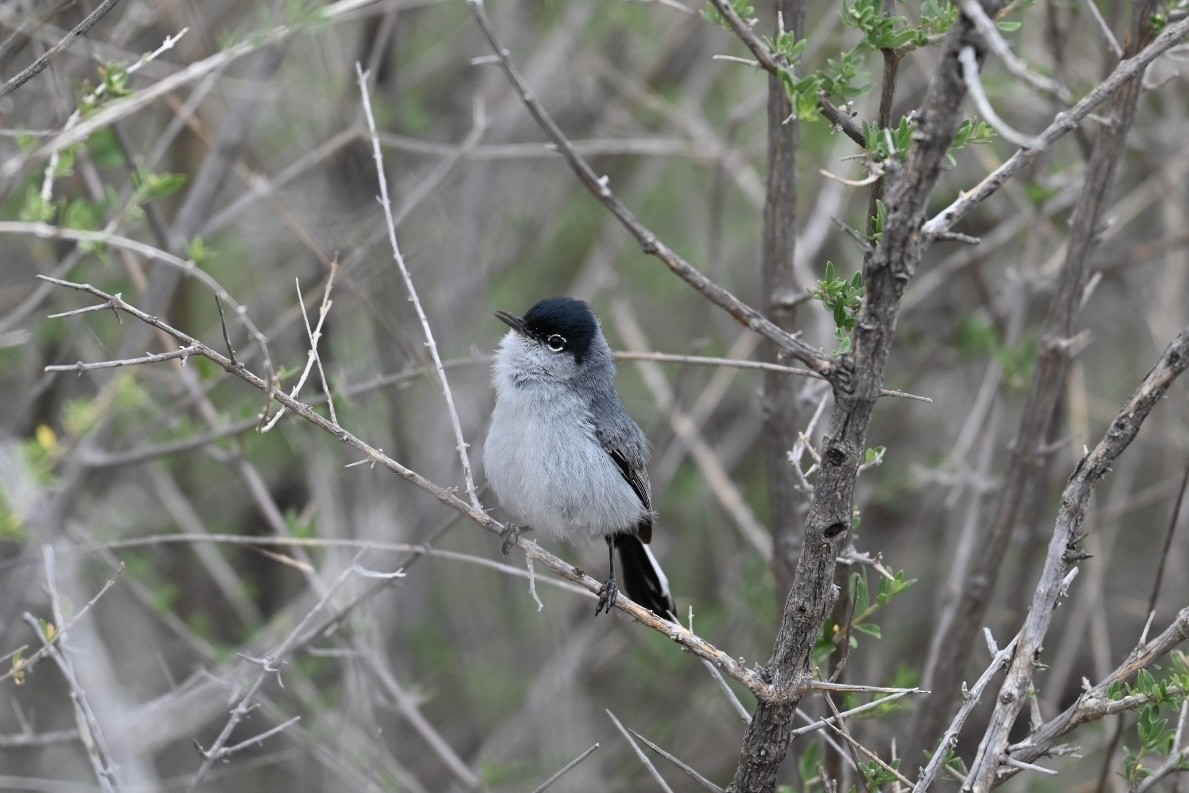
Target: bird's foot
column 607, row 597
column 511, row 535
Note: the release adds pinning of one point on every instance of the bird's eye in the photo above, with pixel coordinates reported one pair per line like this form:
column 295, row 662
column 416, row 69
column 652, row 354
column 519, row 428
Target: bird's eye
column 556, row 342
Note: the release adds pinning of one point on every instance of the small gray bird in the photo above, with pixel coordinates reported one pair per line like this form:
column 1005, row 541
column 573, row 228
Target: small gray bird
column 563, row 455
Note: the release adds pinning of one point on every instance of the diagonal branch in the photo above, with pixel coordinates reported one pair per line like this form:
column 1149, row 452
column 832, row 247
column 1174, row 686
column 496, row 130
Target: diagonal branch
column 733, row 667
column 1062, row 123
column 35, row 68
column 774, row 66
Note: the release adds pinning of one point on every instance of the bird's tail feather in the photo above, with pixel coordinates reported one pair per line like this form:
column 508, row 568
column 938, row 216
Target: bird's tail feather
column 643, row 579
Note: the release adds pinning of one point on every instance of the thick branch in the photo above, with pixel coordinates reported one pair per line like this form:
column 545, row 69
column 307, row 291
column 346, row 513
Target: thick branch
column 887, row 271
column 781, row 294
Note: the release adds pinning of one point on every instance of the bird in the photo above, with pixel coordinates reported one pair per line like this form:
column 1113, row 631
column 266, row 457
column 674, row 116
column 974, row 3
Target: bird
column 563, row 456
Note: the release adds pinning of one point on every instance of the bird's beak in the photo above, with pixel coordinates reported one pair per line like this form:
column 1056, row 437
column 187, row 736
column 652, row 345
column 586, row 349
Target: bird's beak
column 512, row 321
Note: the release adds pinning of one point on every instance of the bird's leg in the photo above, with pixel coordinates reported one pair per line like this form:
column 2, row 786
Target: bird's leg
column 511, row 535
column 610, row 591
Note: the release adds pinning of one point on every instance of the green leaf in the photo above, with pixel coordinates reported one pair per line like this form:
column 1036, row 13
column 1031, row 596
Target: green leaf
column 869, row 628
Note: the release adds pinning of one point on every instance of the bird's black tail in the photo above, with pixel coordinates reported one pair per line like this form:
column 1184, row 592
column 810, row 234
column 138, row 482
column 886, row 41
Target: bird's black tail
column 643, row 579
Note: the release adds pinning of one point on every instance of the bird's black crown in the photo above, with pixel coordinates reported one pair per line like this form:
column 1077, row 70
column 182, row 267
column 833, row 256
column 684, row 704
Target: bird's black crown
column 563, row 317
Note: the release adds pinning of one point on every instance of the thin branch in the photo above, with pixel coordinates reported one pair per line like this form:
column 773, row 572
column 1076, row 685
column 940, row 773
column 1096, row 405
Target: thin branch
column 1095, row 703
column 876, row 703
column 25, row 664
column 460, row 442
column 80, row 367
column 1107, row 33
column 660, row 780
column 770, row 63
column 974, row 86
column 995, row 42
column 736, row 705
column 703, row 360
column 122, row 108
column 970, row 700
column 187, row 266
column 94, row 741
column 1168, row 535
column 270, row 665
column 1062, row 123
column 565, row 769
column 684, row 766
column 312, row 358
column 35, row 68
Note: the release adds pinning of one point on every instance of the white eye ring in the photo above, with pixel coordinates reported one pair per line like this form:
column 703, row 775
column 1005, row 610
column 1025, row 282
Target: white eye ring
column 556, row 342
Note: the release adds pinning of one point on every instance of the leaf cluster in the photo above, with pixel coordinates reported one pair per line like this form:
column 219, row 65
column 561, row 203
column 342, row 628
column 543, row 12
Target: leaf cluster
column 1157, row 739
column 843, row 297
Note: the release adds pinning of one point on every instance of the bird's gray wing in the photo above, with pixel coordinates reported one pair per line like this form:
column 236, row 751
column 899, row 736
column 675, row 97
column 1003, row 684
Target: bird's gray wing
column 625, row 445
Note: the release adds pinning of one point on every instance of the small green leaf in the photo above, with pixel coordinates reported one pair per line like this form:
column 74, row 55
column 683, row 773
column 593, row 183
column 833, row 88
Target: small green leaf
column 869, row 628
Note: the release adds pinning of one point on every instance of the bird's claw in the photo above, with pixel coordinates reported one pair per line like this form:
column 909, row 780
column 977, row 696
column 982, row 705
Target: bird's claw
column 511, row 535
column 607, row 597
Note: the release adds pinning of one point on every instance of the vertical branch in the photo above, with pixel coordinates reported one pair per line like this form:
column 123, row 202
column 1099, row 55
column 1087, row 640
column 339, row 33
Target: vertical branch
column 456, row 425
column 780, row 300
column 856, row 383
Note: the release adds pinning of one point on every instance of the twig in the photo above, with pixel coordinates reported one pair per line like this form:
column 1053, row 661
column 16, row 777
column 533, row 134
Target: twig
column 407, row 704
column 970, row 701
column 565, row 769
column 975, row 87
column 226, row 337
column 772, row 65
column 1062, row 123
column 98, row 751
column 1107, row 34
column 600, row 188
column 25, row 664
column 660, row 780
column 270, row 664
column 460, row 442
column 1095, row 703
column 994, row 41
column 80, row 367
column 838, row 725
column 817, row 725
column 51, row 168
column 186, row 266
column 1168, row 535
column 736, row 705
column 313, row 334
column 703, row 360
column 733, row 667
column 686, row 767
column 35, row 68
